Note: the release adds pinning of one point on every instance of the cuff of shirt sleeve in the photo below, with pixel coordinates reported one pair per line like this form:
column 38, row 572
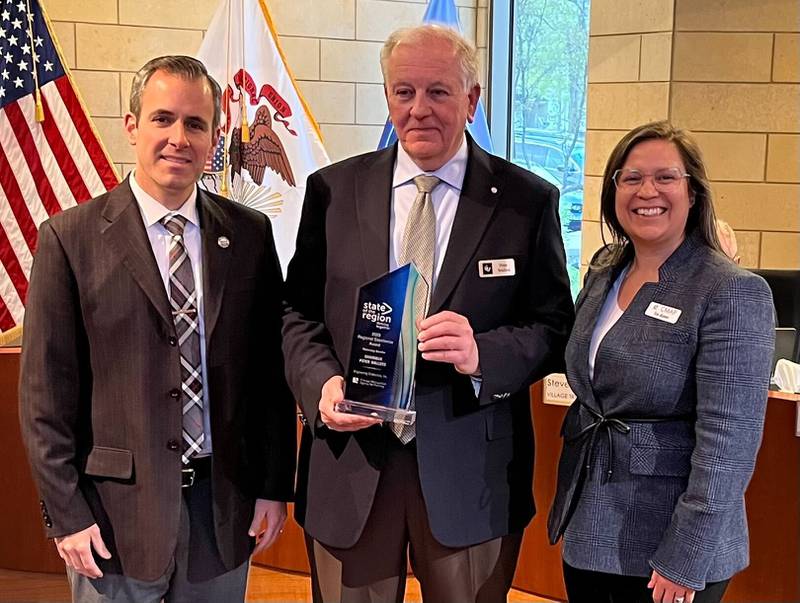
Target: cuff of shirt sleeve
column 477, row 382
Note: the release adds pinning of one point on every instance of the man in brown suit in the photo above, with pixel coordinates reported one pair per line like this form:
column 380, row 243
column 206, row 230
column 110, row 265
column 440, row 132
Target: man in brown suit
column 154, row 409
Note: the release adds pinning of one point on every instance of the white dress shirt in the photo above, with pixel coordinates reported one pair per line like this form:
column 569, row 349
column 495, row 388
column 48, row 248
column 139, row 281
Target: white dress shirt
column 608, row 317
column 444, row 197
column 152, row 212
column 445, row 203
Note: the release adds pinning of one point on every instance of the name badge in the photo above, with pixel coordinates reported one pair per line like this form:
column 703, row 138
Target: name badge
column 494, row 268
column 663, row 313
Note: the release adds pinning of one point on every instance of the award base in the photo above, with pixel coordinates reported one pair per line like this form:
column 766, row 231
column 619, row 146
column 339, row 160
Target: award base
column 384, row 413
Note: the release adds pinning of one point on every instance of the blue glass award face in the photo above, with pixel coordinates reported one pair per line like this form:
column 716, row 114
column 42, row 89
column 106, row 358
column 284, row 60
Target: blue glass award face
column 383, row 354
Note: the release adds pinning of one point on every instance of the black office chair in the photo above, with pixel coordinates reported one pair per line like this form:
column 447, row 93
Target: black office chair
column 785, row 285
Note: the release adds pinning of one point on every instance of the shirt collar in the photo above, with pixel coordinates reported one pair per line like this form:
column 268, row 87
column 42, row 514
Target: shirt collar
column 452, row 172
column 152, row 211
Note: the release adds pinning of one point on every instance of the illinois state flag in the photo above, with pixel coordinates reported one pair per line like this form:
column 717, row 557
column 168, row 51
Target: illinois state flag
column 270, row 142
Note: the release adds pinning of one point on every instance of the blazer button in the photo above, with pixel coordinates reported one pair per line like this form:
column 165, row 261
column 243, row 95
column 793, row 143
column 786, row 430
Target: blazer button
column 174, row 393
column 48, row 523
column 173, row 341
column 172, row 445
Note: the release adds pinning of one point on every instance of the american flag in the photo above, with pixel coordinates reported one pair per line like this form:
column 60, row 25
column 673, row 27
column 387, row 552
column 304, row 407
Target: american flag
column 45, row 166
column 215, row 164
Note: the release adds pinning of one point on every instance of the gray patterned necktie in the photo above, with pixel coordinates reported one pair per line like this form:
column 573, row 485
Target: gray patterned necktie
column 183, row 299
column 419, row 246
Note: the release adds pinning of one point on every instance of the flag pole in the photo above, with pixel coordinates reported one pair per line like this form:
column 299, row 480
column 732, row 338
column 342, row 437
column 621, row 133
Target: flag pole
column 39, row 111
column 242, row 101
column 223, row 189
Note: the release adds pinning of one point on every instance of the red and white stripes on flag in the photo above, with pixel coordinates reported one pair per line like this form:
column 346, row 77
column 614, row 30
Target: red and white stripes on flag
column 45, row 166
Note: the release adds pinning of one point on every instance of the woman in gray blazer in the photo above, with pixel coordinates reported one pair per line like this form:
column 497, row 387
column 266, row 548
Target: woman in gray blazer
column 669, row 359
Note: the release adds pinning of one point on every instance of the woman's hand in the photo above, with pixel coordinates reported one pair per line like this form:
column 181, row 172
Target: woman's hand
column 666, row 591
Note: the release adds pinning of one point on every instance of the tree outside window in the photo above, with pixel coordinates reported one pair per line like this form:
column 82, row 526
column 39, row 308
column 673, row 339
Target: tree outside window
column 547, row 119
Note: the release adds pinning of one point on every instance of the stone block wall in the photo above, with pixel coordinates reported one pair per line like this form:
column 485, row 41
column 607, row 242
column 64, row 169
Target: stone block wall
column 728, row 70
column 332, row 47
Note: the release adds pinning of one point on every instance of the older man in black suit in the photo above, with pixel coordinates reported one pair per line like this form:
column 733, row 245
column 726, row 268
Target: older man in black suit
column 455, row 490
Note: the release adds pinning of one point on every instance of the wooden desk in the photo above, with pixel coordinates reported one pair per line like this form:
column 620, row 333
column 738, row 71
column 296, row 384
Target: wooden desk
column 773, row 512
column 23, row 545
column 772, row 498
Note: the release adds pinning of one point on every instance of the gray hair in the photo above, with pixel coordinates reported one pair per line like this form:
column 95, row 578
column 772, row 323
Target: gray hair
column 463, row 49
column 185, row 67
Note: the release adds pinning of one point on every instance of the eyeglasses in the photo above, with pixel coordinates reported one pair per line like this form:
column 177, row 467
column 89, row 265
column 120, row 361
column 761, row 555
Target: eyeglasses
column 665, row 179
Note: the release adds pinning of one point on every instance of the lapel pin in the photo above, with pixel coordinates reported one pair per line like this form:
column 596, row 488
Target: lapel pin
column 494, row 190
column 224, row 242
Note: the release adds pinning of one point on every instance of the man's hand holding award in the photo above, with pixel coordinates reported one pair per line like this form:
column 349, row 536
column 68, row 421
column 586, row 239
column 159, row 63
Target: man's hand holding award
column 383, row 354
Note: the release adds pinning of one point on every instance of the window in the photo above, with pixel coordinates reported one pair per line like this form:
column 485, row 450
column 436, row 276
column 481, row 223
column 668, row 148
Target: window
column 539, row 52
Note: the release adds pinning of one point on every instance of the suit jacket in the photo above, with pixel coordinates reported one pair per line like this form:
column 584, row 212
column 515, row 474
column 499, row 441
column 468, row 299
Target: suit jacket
column 101, row 366
column 675, row 414
column 475, row 455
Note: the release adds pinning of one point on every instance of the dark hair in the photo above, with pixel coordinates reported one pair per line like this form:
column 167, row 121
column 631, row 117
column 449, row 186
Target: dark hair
column 701, row 213
column 186, row 67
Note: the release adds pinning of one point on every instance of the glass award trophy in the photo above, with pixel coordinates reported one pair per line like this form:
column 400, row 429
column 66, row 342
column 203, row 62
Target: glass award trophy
column 383, row 355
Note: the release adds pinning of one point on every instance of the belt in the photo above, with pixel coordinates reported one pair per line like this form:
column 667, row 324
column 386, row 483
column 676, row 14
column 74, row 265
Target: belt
column 607, row 423
column 196, row 469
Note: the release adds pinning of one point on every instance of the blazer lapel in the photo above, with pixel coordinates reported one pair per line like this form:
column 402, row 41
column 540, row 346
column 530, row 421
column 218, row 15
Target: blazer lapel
column 479, row 197
column 215, row 229
column 586, row 320
column 373, row 206
column 126, row 234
